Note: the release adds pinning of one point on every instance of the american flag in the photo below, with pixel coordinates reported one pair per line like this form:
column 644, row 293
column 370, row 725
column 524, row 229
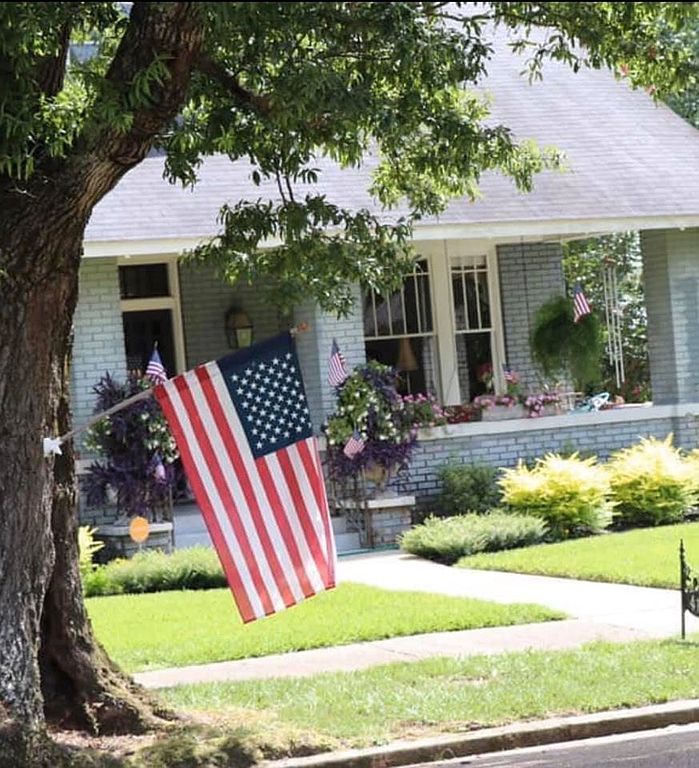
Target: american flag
column 510, row 375
column 337, row 373
column 581, row 306
column 155, row 370
column 243, row 429
column 354, row 445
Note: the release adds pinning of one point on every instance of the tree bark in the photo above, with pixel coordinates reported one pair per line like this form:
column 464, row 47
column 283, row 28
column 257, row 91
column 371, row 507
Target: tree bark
column 46, row 642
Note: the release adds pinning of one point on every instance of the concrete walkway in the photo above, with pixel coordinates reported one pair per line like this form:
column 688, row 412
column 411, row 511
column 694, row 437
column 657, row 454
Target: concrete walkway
column 612, row 612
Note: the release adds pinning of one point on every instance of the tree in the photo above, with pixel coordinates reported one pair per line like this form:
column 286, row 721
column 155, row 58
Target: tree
column 278, row 84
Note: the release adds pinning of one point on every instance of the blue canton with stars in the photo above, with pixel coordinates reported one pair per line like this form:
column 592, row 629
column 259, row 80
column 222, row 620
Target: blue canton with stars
column 265, row 384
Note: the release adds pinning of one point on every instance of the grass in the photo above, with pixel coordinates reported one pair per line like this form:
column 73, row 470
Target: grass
column 170, row 629
column 416, row 699
column 646, row 556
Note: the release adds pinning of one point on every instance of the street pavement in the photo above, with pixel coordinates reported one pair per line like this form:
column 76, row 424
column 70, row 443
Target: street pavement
column 673, row 747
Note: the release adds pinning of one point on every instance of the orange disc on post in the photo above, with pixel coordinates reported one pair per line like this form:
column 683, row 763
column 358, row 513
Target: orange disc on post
column 139, row 529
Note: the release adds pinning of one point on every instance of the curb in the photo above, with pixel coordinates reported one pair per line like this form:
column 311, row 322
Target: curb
column 516, row 736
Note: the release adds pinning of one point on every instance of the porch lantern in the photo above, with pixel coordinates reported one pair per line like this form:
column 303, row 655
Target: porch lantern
column 238, row 328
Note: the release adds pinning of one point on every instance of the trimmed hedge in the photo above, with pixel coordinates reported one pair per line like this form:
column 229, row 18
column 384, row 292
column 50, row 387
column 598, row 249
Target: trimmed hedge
column 153, row 571
column 446, row 539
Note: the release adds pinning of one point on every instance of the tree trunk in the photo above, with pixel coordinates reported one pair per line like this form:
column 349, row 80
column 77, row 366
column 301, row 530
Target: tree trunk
column 46, row 642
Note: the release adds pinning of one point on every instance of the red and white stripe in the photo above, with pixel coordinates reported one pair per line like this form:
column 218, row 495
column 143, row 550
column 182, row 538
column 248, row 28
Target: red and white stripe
column 268, row 517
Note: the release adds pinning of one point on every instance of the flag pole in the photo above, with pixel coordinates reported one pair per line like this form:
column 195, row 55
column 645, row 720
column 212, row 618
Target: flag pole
column 52, row 444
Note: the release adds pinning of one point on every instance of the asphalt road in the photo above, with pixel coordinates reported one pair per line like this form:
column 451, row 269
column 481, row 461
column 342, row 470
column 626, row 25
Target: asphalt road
column 675, row 747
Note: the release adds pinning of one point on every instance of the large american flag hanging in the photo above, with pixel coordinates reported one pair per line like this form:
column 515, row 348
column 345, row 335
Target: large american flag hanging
column 243, row 429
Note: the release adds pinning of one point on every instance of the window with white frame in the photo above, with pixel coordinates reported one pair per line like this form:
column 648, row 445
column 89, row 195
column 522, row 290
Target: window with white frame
column 150, row 307
column 399, row 330
column 473, row 325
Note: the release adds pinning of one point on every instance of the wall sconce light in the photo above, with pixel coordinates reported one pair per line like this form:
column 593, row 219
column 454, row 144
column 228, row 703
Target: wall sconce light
column 238, row 328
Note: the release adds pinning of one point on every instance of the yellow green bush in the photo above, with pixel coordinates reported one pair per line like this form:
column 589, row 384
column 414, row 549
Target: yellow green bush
column 571, row 494
column 652, row 483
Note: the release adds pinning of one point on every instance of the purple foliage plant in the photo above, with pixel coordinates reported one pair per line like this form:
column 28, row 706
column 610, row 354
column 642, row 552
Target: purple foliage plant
column 136, row 448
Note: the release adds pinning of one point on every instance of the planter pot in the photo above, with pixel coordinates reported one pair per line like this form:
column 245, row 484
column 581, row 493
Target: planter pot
column 118, row 542
column 503, row 412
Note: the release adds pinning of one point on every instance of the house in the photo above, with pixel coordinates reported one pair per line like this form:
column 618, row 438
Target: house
column 485, row 267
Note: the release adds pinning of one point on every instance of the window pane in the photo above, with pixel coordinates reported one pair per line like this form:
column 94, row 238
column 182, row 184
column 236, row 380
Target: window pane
column 415, row 357
column 406, row 311
column 484, row 299
column 143, row 281
column 471, row 300
column 474, row 360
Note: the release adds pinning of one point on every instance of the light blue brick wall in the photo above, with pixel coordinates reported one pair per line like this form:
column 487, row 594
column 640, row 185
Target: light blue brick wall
column 314, row 352
column 671, row 283
column 505, row 449
column 205, row 299
column 530, row 274
column 98, row 344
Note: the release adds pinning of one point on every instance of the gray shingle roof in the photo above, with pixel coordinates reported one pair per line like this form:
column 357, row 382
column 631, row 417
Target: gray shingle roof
column 627, row 158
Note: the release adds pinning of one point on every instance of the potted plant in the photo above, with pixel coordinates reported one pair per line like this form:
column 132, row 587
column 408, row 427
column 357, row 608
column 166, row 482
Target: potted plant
column 563, row 347
column 370, row 409
column 371, row 436
column 135, row 469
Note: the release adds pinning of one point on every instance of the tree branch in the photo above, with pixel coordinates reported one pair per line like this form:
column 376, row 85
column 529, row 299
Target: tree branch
column 216, row 71
column 52, row 69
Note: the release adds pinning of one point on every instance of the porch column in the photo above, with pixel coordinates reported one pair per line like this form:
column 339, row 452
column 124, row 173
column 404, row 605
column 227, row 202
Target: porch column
column 530, row 274
column 671, row 281
column 314, row 351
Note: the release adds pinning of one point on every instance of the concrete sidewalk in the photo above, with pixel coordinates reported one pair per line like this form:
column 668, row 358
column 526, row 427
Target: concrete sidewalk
column 612, row 612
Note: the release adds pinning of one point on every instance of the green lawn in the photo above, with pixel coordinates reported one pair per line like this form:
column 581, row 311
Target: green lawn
column 407, row 700
column 647, row 556
column 170, row 629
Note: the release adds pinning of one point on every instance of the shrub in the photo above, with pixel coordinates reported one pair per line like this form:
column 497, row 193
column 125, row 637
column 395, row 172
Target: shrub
column 571, row 494
column 88, row 546
column 468, row 488
column 449, row 538
column 153, row 571
column 651, row 483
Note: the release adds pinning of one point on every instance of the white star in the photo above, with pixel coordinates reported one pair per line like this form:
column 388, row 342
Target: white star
column 287, row 434
column 272, row 439
column 262, row 366
column 288, row 355
column 255, row 431
column 275, row 360
column 255, row 409
column 259, row 445
column 235, row 377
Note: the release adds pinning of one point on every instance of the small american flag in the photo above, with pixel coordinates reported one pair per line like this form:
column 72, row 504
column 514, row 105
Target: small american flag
column 354, row 446
column 243, row 429
column 510, row 375
column 581, row 306
column 155, row 370
column 337, row 373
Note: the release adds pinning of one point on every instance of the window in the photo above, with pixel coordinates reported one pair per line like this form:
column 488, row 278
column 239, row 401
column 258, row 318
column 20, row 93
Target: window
column 150, row 307
column 473, row 326
column 399, row 331
column 144, row 281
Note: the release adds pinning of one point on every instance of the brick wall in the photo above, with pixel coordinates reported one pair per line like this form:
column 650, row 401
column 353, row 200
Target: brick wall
column 314, row 352
column 205, row 299
column 99, row 333
column 505, row 449
column 529, row 275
